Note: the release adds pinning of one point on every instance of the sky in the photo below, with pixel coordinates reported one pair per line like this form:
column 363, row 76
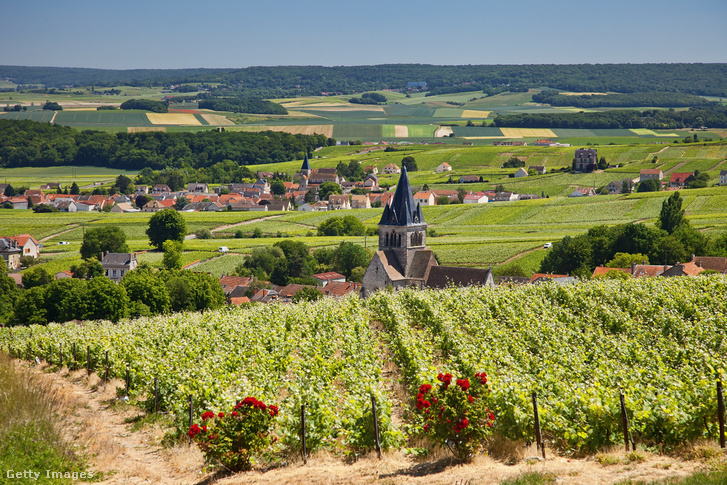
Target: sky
column 164, row 34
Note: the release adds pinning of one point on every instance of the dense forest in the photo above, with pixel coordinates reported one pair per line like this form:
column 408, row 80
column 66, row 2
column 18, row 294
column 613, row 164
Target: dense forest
column 146, row 104
column 288, row 81
column 29, row 143
column 655, row 99
column 652, row 119
column 255, row 106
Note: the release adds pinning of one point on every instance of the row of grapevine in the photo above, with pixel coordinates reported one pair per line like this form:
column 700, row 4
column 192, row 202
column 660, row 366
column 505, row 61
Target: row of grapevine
column 323, row 355
column 659, row 341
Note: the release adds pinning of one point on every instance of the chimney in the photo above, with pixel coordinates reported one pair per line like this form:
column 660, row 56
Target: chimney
column 693, row 256
column 633, row 267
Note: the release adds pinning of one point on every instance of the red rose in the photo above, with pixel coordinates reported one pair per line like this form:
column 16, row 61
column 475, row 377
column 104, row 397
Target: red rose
column 273, row 410
column 463, row 383
column 194, row 430
column 221, row 415
column 234, row 414
column 464, row 423
column 426, row 427
column 208, row 415
column 470, row 399
column 425, row 388
column 492, row 416
column 204, row 429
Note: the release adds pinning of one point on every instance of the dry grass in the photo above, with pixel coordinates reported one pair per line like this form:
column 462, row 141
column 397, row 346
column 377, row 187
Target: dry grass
column 401, row 131
column 180, row 119
column 326, row 130
column 217, row 120
column 473, row 113
column 443, row 131
column 527, row 132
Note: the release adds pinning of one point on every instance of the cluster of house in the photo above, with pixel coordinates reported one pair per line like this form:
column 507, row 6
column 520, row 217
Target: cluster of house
column 237, row 288
column 677, row 180
column 14, row 247
column 538, row 143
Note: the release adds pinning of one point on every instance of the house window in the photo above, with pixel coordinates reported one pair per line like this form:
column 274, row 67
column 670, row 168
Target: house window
column 114, row 273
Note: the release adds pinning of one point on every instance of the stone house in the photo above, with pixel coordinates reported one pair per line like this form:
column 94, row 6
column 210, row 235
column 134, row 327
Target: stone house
column 116, row 265
column 585, row 160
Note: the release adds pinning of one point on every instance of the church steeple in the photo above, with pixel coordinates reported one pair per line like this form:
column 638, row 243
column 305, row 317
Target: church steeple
column 305, row 169
column 403, row 211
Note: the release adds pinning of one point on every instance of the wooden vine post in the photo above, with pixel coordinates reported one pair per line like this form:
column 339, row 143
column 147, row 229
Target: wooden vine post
column 538, row 433
column 88, row 360
column 720, row 413
column 625, row 423
column 302, row 433
column 190, row 416
column 376, row 427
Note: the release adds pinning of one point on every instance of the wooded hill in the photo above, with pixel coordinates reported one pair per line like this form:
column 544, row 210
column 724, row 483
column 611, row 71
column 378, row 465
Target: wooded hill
column 287, row 81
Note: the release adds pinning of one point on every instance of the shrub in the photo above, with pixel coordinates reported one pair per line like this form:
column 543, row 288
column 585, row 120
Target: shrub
column 456, row 416
column 232, row 439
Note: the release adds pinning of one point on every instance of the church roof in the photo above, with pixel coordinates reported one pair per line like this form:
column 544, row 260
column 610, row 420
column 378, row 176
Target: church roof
column 402, row 211
column 306, row 164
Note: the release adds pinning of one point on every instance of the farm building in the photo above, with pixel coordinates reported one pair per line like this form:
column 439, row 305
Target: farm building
column 585, row 160
column 443, row 167
column 650, row 173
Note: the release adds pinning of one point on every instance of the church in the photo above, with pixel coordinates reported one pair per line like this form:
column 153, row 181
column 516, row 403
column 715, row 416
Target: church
column 403, row 259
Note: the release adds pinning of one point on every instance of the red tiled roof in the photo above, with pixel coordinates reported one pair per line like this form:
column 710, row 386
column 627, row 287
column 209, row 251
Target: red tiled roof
column 601, row 270
column 340, row 288
column 331, row 275
column 537, row 276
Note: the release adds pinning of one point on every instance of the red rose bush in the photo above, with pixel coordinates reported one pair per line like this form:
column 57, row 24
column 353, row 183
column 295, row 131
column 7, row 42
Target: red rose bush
column 456, row 415
column 233, row 439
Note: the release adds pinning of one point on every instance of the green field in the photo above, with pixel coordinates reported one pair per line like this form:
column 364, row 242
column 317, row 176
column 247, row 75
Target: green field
column 421, row 113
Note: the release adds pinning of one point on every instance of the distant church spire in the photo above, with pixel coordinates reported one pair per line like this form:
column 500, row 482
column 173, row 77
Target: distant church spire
column 306, row 164
column 403, row 211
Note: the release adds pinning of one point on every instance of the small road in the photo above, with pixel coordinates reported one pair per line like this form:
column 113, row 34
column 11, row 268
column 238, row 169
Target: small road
column 75, row 226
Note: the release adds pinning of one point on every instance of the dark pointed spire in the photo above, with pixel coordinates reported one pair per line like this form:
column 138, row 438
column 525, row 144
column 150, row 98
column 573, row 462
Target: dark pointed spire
column 306, row 165
column 402, row 211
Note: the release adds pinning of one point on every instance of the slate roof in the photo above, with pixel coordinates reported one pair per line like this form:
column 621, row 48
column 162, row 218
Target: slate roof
column 306, row 164
column 444, row 276
column 117, row 258
column 714, row 263
column 402, row 211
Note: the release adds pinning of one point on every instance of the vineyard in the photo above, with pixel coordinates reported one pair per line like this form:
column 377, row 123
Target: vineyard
column 658, row 341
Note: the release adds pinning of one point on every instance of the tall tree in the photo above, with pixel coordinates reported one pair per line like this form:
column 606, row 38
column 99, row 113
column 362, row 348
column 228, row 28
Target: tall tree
column 107, row 239
column 672, row 214
column 165, row 225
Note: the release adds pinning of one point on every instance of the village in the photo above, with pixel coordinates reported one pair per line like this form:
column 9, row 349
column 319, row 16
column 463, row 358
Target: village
column 402, row 260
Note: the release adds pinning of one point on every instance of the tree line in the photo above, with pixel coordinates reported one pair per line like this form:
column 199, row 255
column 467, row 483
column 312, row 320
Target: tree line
column 288, row 81
column 146, row 104
column 655, row 99
column 255, row 106
column 713, row 117
column 672, row 239
column 27, row 143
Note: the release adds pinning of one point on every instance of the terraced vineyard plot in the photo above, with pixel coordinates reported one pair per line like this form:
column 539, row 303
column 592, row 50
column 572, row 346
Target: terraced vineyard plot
column 604, row 212
column 478, row 253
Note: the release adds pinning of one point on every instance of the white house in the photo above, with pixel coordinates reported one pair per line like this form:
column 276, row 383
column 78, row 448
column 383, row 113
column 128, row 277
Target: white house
column 723, row 177
column 391, row 168
column 27, row 244
column 443, row 167
column 521, row 172
column 476, row 198
column 583, row 193
column 425, row 198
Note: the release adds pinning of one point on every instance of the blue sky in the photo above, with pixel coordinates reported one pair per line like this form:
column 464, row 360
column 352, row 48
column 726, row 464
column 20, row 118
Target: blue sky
column 231, row 34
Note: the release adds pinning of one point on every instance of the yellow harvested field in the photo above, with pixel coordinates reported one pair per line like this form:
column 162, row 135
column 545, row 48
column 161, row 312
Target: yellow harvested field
column 473, row 113
column 300, row 114
column 401, row 131
column 217, row 120
column 326, row 130
column 647, row 132
column 141, row 129
column 183, row 119
column 527, row 133
column 443, row 131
